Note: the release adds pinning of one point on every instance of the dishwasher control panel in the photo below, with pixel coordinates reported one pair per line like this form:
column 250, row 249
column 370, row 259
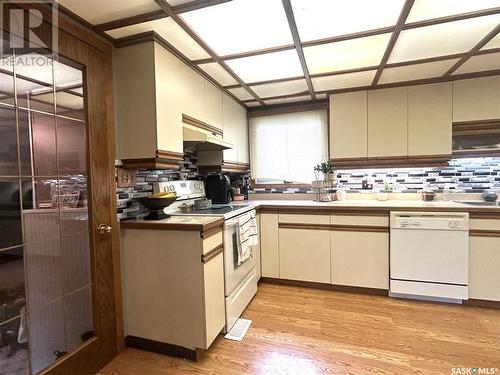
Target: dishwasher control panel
column 430, row 220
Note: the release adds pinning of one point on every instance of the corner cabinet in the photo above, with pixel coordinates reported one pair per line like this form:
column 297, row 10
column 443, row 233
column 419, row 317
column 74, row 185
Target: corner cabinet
column 154, row 91
column 148, row 106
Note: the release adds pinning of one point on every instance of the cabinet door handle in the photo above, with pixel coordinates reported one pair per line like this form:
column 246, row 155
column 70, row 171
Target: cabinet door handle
column 212, row 254
column 104, row 229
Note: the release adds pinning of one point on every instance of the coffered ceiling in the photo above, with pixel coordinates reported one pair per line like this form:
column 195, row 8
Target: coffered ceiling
column 266, row 52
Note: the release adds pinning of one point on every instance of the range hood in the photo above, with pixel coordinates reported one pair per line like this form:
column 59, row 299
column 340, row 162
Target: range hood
column 202, row 140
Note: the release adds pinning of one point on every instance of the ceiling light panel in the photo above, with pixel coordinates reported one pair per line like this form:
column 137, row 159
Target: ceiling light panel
column 429, row 9
column 101, row 11
column 241, row 93
column 442, row 39
column 218, row 73
column 170, row 31
column 241, row 25
column 280, row 88
column 252, row 104
column 416, row 71
column 480, row 63
column 326, row 18
column 268, row 66
column 348, row 54
column 342, row 81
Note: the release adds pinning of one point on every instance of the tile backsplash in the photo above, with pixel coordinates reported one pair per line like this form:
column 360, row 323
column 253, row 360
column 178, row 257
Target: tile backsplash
column 473, row 175
column 127, row 207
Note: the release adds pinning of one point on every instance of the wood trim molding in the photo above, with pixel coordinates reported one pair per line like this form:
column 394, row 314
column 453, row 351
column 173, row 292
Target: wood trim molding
column 482, row 303
column 227, row 166
column 457, row 154
column 394, row 38
column 484, row 233
column 288, row 108
column 304, row 226
column 298, row 45
column 485, row 215
column 324, row 286
column 202, row 125
column 205, row 258
column 161, row 348
column 210, row 231
column 335, row 227
column 391, row 161
column 360, row 228
column 156, row 14
column 163, row 160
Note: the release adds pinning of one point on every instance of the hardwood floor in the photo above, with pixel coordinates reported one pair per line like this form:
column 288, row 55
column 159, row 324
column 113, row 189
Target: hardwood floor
column 306, row 331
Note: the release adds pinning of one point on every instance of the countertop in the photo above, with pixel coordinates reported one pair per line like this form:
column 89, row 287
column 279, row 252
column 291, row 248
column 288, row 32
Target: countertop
column 181, row 223
column 374, row 205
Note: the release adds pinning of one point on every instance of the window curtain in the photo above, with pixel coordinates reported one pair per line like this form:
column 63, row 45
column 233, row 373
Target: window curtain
column 287, row 147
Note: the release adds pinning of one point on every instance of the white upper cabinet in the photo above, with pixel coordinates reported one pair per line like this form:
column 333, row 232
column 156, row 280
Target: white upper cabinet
column 229, row 116
column 235, row 127
column 429, row 119
column 349, row 125
column 476, row 99
column 212, row 113
column 167, row 86
column 193, row 93
column 388, row 122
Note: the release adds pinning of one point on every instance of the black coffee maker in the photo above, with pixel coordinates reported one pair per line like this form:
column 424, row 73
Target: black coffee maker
column 218, row 189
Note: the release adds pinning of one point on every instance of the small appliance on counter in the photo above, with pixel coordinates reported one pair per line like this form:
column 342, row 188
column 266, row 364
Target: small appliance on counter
column 218, row 188
column 490, row 196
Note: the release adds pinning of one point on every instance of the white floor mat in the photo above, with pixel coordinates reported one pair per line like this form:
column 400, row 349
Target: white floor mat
column 239, row 330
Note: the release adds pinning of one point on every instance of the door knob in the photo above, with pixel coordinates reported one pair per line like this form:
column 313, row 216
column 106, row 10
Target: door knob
column 104, row 229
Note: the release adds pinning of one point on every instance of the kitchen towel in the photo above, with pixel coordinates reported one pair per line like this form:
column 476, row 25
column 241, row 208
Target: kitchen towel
column 247, row 236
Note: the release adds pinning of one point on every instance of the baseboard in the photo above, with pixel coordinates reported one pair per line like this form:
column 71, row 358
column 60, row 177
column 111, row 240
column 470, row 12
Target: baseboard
column 162, row 348
column 482, row 303
column 324, row 286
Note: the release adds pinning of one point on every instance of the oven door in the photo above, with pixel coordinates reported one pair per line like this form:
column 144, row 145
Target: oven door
column 234, row 274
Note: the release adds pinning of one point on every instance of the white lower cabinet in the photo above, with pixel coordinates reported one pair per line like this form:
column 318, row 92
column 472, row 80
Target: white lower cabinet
column 360, row 259
column 269, row 244
column 304, row 254
column 484, row 268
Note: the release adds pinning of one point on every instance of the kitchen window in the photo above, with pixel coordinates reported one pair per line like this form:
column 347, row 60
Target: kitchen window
column 285, row 148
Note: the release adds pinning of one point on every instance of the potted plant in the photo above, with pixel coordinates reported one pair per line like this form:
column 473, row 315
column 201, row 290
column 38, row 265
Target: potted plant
column 325, row 170
column 384, row 194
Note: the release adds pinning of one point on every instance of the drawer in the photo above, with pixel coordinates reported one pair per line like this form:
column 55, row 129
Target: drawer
column 484, row 224
column 358, row 220
column 212, row 242
column 290, row 218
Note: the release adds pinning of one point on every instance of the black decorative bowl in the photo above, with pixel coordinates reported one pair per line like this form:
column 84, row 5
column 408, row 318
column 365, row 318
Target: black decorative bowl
column 156, row 207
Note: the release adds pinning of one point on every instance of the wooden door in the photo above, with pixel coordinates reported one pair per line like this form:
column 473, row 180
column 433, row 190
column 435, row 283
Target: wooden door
column 65, row 178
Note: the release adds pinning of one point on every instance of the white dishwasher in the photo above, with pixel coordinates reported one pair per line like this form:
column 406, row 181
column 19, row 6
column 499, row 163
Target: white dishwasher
column 429, row 255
